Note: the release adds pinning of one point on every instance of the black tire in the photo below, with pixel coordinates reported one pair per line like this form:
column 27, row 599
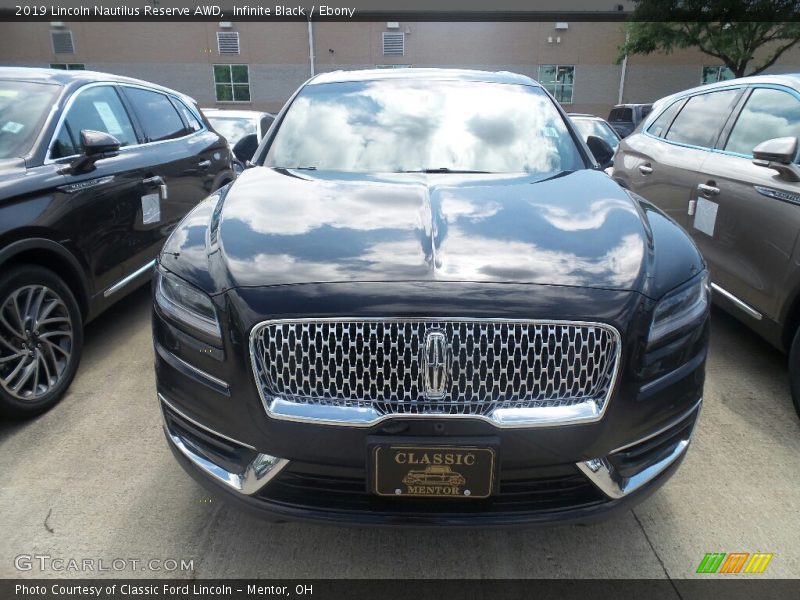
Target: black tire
column 56, row 349
column 794, row 371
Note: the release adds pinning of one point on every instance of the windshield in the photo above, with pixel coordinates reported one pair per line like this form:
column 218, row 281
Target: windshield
column 405, row 125
column 24, row 106
column 587, row 127
column 233, row 128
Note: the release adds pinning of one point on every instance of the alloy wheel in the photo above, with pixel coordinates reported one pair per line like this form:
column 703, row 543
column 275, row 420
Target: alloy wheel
column 36, row 341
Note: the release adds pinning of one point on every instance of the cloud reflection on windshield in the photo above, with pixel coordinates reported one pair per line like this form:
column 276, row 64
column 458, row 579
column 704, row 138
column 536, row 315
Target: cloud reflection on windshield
column 387, row 126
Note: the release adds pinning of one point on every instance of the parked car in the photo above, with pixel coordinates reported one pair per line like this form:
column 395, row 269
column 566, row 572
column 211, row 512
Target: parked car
column 721, row 160
column 624, row 118
column 589, row 125
column 95, row 172
column 244, row 130
column 428, row 267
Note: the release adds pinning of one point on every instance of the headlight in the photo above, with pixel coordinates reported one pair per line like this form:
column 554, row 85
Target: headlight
column 680, row 308
column 187, row 305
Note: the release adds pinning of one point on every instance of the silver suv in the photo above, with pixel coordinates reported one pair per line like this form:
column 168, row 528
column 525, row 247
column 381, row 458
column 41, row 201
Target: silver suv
column 722, row 161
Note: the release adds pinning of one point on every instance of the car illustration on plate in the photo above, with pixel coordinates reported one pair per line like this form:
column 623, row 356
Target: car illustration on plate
column 434, row 475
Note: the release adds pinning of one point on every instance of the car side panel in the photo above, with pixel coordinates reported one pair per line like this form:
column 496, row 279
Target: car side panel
column 754, row 234
column 666, row 174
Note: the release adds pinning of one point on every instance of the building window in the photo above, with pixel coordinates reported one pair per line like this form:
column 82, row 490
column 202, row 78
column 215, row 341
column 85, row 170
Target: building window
column 232, row 83
column 394, row 43
column 715, row 74
column 559, row 80
column 68, row 66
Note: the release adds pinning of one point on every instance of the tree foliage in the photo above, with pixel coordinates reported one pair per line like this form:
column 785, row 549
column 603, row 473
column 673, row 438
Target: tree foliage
column 729, row 30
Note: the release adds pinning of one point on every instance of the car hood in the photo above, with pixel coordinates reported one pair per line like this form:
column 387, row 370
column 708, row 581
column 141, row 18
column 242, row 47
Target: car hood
column 276, row 227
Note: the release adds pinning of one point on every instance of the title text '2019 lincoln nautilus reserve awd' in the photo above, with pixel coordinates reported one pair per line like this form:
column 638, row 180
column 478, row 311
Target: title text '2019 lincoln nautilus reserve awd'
column 426, row 304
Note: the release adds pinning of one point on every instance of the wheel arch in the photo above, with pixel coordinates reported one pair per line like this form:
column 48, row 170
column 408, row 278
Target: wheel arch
column 54, row 256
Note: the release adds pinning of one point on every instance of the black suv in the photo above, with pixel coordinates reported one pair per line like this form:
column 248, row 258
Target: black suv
column 95, row 172
column 426, row 304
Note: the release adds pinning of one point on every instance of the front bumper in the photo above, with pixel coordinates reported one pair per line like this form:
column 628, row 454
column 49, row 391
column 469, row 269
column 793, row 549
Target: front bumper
column 280, row 489
column 219, row 430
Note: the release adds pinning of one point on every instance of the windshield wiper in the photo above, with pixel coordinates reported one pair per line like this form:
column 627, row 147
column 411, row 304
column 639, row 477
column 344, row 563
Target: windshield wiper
column 296, row 168
column 442, row 170
column 555, row 176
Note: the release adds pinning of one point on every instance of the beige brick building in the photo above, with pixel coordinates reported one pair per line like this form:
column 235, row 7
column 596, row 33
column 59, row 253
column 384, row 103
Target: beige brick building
column 259, row 64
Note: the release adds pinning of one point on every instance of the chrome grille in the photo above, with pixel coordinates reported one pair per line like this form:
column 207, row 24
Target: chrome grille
column 492, row 364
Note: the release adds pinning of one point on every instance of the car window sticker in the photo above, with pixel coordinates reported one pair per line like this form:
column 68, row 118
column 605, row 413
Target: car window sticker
column 13, row 127
column 108, row 117
column 549, row 132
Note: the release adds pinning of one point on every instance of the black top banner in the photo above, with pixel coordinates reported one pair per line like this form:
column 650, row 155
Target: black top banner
column 397, row 10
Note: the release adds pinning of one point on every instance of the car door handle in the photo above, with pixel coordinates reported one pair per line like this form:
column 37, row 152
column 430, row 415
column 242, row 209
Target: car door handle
column 707, row 190
column 204, row 164
column 645, row 169
column 156, row 180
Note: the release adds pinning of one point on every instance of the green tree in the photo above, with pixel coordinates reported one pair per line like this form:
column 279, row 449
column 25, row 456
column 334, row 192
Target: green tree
column 729, row 30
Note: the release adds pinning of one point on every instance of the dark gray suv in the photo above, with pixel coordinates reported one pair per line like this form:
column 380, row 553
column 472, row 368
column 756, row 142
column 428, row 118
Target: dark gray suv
column 722, row 161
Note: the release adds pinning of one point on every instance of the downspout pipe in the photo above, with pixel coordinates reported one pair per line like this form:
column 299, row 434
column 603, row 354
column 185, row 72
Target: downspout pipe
column 311, row 46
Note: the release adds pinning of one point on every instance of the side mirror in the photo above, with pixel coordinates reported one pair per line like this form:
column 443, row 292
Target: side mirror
column 602, row 152
column 246, row 147
column 777, row 154
column 96, row 145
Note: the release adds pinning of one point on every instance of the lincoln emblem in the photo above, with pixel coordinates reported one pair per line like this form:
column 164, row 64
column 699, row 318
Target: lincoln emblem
column 435, row 364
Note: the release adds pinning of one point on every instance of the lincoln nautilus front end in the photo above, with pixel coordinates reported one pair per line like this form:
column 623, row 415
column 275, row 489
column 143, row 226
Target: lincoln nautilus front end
column 425, row 303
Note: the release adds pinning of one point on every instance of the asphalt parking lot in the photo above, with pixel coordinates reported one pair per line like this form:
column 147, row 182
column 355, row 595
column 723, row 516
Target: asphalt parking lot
column 93, row 478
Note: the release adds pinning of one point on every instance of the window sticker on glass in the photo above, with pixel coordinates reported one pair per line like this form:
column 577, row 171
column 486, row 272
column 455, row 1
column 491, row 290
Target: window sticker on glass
column 549, row 132
column 108, row 117
column 13, row 127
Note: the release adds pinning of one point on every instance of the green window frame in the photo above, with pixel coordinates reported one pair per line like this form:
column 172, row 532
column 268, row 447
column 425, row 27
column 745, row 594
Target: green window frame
column 232, row 83
column 559, row 80
column 68, row 66
column 713, row 74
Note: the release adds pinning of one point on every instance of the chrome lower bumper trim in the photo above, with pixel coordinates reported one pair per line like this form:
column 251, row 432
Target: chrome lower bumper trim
column 190, row 370
column 249, row 480
column 364, row 416
column 186, row 417
column 602, row 473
